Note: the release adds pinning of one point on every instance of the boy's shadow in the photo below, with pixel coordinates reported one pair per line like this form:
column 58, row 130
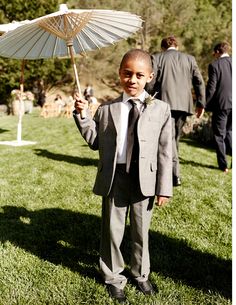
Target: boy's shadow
column 56, row 235
column 72, row 240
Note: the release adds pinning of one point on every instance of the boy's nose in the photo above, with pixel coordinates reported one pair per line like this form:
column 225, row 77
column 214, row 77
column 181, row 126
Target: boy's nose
column 133, row 79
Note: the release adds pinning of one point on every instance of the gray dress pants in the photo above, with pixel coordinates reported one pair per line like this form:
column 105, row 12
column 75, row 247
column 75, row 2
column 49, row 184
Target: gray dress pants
column 125, row 199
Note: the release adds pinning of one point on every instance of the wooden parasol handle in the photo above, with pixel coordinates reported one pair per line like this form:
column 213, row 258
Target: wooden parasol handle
column 70, row 46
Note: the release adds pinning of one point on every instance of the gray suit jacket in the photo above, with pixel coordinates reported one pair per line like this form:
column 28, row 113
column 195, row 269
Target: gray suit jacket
column 176, row 73
column 155, row 141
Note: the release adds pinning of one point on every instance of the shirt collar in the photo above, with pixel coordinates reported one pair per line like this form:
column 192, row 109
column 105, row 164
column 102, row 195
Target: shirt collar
column 224, row 55
column 139, row 98
column 171, row 48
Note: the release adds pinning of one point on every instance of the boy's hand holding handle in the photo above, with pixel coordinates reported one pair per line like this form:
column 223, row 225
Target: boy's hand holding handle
column 80, row 105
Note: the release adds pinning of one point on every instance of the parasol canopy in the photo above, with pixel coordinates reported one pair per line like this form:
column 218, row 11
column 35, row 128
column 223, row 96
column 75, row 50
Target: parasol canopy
column 51, row 35
column 6, row 27
column 68, row 32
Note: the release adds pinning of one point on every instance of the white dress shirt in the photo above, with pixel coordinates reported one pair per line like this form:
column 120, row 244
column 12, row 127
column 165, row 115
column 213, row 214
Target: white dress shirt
column 124, row 116
column 225, row 55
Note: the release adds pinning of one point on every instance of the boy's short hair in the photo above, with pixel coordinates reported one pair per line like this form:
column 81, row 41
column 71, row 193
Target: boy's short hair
column 137, row 53
column 222, row 47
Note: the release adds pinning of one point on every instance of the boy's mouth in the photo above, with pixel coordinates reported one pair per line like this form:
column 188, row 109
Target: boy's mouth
column 132, row 88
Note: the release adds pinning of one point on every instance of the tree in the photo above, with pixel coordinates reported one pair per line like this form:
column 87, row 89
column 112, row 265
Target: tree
column 52, row 71
column 198, row 25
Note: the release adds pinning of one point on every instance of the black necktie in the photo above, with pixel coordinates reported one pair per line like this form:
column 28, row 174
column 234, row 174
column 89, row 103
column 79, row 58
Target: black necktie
column 132, row 133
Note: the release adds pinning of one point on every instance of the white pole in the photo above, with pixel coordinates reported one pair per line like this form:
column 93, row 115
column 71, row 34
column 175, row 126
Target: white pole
column 70, row 46
column 21, row 105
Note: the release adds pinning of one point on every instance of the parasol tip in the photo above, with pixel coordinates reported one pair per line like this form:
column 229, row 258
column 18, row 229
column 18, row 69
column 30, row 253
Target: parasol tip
column 63, row 8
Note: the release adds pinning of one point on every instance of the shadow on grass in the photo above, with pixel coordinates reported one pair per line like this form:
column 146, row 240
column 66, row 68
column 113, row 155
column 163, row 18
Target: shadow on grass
column 193, row 142
column 70, row 159
column 72, row 240
column 196, row 164
column 175, row 259
column 197, row 144
column 3, row 130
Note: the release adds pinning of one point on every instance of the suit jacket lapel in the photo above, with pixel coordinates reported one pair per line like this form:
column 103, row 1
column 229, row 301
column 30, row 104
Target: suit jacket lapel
column 115, row 109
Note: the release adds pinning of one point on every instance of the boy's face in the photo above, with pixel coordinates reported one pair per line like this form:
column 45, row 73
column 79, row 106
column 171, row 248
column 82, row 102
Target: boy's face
column 134, row 74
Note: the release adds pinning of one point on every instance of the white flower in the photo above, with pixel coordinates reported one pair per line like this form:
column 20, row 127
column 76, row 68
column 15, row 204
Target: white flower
column 149, row 100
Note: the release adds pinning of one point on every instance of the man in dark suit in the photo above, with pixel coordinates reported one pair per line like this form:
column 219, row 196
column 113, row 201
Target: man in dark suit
column 175, row 73
column 219, row 102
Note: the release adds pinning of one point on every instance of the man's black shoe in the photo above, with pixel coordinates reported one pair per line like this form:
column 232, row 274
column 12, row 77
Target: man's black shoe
column 146, row 287
column 116, row 293
column 176, row 181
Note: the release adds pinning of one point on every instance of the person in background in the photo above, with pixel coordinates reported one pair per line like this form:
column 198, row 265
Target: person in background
column 41, row 93
column 92, row 103
column 219, row 102
column 59, row 103
column 133, row 136
column 88, row 91
column 92, row 100
column 175, row 74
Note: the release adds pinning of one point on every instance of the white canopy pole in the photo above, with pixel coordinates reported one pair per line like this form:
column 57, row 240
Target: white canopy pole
column 21, row 104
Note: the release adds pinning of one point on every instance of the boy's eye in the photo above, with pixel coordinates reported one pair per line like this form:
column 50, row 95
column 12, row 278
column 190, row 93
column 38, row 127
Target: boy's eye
column 140, row 75
column 128, row 74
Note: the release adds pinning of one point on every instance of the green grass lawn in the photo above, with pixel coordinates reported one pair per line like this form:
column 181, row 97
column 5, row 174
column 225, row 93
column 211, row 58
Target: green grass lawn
column 50, row 224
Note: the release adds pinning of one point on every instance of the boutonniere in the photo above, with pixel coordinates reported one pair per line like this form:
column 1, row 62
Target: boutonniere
column 149, row 100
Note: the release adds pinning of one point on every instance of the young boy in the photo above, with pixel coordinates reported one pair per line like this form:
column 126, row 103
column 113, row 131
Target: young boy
column 126, row 185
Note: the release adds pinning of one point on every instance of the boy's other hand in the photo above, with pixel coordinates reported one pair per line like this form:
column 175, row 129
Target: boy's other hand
column 161, row 201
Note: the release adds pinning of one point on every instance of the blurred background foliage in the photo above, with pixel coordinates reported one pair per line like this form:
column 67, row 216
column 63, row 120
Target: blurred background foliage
column 198, row 25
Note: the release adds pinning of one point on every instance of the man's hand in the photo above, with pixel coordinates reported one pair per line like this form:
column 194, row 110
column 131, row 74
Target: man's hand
column 199, row 111
column 161, row 201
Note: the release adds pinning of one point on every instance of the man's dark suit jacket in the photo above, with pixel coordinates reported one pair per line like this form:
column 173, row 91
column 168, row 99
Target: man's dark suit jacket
column 175, row 73
column 219, row 85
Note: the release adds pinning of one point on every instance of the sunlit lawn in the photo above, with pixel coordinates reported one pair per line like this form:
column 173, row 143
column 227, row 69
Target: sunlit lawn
column 50, row 224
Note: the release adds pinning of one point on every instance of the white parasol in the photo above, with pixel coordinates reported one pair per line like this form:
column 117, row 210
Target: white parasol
column 68, row 32
column 6, row 27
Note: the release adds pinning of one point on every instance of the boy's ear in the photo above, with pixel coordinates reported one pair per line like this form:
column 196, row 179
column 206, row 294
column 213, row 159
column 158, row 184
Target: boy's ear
column 150, row 77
